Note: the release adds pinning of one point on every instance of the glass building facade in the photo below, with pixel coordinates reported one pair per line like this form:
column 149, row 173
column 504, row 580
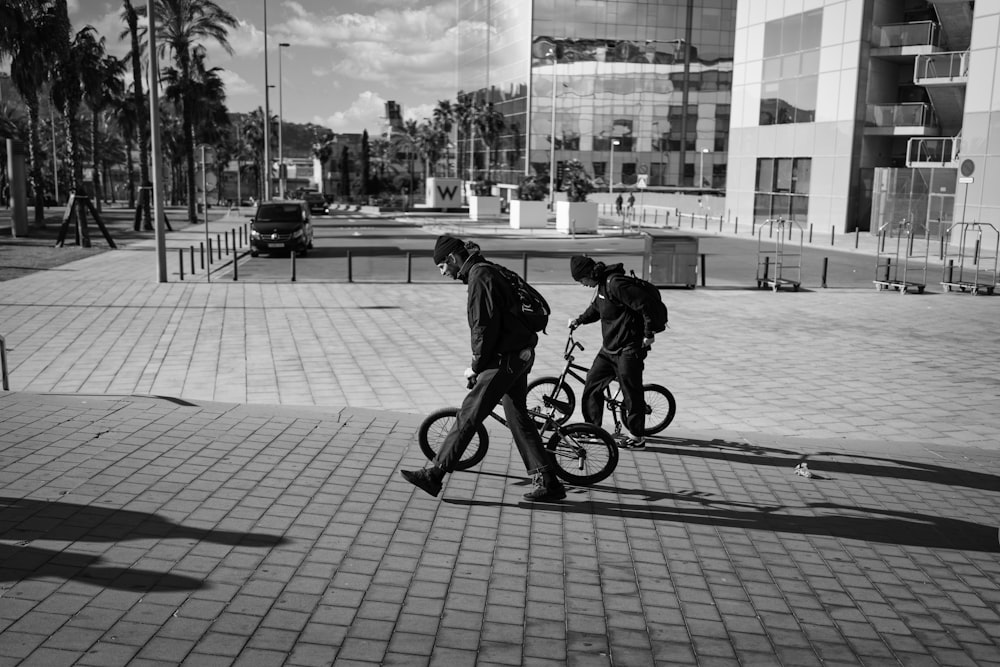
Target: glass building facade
column 633, row 89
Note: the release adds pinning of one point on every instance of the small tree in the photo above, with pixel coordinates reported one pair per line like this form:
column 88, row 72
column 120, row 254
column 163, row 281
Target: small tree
column 533, row 188
column 366, row 188
column 576, row 182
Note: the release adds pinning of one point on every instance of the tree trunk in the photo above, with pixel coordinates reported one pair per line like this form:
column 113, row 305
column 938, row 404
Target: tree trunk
column 35, row 154
column 130, row 170
column 95, row 162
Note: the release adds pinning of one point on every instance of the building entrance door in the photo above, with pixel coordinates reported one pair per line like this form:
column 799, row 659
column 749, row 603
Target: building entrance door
column 940, row 213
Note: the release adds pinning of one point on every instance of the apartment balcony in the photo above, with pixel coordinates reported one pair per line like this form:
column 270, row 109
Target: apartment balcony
column 901, row 120
column 901, row 42
column 944, row 76
column 933, row 152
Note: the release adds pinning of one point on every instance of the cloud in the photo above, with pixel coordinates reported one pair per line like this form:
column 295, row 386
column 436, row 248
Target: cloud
column 236, row 84
column 365, row 113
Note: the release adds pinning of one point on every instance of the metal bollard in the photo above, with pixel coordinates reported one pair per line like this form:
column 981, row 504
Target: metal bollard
column 736, row 227
column 192, row 259
column 826, row 265
column 767, row 265
column 702, row 269
column 720, row 224
column 524, row 265
column 888, row 264
column 180, row 262
column 201, row 253
column 226, row 235
column 857, row 236
column 3, row 363
column 218, row 245
column 833, row 230
column 236, row 264
column 209, row 255
column 350, row 267
column 409, row 268
column 810, row 233
column 293, row 265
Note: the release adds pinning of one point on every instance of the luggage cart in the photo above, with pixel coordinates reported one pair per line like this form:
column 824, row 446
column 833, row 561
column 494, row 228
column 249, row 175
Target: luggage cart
column 887, row 263
column 779, row 259
column 969, row 266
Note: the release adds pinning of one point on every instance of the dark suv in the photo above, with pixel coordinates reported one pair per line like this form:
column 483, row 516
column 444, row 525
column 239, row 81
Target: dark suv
column 281, row 226
column 316, row 201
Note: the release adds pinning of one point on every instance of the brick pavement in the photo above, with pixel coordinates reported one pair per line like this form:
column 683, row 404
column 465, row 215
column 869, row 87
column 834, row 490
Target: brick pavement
column 261, row 518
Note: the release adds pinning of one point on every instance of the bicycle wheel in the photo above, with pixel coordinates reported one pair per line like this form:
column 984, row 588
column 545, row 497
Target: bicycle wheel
column 542, row 397
column 436, row 427
column 660, row 407
column 582, row 454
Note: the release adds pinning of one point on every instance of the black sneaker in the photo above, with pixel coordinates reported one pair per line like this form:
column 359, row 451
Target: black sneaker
column 628, row 442
column 425, row 479
column 541, row 492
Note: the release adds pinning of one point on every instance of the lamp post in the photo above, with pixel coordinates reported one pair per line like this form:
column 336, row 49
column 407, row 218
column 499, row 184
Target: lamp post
column 552, row 140
column 204, row 202
column 267, row 119
column 281, row 122
column 701, row 168
column 611, row 166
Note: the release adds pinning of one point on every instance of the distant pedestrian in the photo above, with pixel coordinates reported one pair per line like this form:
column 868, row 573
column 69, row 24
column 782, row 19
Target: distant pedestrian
column 503, row 351
column 631, row 202
column 618, row 204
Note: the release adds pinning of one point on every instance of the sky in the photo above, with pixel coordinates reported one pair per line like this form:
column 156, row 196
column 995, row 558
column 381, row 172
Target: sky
column 344, row 60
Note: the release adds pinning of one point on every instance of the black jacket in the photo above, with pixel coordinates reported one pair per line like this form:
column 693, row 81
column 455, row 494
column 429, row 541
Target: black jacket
column 620, row 306
column 494, row 327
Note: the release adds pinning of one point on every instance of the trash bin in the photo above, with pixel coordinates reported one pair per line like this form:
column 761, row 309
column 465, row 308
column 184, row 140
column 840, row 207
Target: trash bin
column 671, row 259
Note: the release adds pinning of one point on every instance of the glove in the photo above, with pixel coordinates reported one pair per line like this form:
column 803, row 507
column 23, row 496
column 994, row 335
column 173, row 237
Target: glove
column 469, row 373
column 647, row 342
column 470, row 378
column 573, row 323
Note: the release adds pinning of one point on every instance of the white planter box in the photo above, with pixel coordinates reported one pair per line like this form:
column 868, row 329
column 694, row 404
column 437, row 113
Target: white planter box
column 528, row 214
column 576, row 217
column 484, row 207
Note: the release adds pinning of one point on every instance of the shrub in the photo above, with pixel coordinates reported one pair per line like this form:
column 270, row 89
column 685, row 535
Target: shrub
column 534, row 188
column 482, row 188
column 576, row 182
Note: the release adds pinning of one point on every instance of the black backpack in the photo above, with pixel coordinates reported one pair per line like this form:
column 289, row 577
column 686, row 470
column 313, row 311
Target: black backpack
column 534, row 310
column 657, row 310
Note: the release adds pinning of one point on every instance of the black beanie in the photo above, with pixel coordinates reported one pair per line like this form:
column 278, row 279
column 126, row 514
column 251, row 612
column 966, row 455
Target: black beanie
column 445, row 246
column 581, row 266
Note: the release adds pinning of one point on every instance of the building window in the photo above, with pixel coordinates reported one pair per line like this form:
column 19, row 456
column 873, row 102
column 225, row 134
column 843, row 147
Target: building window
column 782, row 188
column 791, row 69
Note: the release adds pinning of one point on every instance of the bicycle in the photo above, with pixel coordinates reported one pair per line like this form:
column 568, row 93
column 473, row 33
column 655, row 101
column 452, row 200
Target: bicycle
column 554, row 393
column 581, row 454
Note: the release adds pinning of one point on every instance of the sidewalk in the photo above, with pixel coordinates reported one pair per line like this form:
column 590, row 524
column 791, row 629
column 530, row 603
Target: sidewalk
column 195, row 473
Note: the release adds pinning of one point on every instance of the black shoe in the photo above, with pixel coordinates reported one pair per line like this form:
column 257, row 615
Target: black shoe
column 425, row 478
column 628, row 442
column 542, row 491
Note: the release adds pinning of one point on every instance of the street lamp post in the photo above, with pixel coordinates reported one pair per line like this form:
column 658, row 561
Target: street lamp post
column 281, row 122
column 611, row 166
column 701, row 168
column 267, row 119
column 552, row 139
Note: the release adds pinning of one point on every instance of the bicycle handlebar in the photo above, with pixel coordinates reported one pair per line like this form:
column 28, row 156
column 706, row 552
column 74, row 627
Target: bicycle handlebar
column 571, row 344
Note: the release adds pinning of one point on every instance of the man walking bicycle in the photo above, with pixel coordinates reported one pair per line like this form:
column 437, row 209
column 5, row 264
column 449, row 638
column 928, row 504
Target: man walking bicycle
column 503, row 351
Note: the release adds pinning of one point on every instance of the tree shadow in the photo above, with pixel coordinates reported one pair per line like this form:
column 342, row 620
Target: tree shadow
column 20, row 563
column 28, row 519
column 872, row 466
column 24, row 520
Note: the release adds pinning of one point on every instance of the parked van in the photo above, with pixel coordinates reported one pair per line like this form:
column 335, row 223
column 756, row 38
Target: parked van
column 281, row 226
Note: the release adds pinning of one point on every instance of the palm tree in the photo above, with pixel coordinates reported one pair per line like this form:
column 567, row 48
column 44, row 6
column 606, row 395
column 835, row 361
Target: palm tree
column 464, row 114
column 101, row 78
column 181, row 25
column 125, row 118
column 491, row 124
column 322, row 150
column 27, row 36
column 73, row 56
column 131, row 19
column 444, row 120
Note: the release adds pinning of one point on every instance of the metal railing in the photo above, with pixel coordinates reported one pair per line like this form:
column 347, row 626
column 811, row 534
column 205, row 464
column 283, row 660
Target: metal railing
column 918, row 33
column 952, row 65
column 934, row 150
column 909, row 114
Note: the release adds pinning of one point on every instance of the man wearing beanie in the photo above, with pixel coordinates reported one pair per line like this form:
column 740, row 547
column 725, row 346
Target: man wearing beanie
column 503, row 351
column 620, row 305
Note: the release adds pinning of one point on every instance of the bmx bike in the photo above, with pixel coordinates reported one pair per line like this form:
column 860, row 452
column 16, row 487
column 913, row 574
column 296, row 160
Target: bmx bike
column 580, row 454
column 555, row 395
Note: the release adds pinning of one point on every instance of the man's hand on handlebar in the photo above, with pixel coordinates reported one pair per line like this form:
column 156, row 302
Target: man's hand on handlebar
column 470, row 378
column 573, row 324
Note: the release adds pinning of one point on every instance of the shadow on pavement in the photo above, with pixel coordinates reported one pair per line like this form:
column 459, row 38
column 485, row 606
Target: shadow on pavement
column 27, row 519
column 873, row 466
column 20, row 563
column 845, row 522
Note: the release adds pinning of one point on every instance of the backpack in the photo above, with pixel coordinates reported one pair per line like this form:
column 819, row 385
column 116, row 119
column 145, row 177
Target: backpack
column 534, row 311
column 657, row 310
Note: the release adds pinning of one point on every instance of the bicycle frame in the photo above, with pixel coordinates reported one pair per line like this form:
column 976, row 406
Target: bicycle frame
column 570, row 369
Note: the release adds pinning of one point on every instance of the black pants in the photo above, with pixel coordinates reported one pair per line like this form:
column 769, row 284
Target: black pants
column 626, row 367
column 505, row 382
